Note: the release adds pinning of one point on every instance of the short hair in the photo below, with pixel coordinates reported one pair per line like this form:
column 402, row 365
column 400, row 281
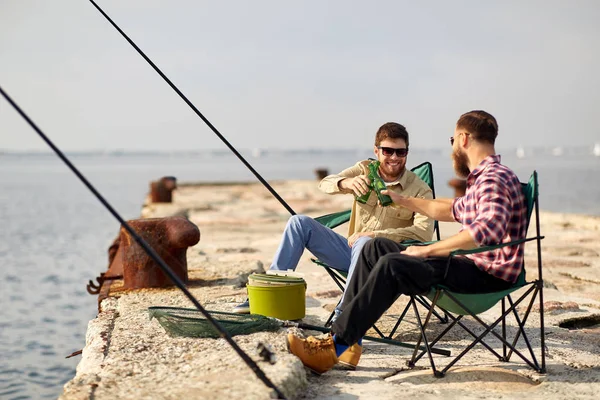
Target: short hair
column 391, row 130
column 480, row 124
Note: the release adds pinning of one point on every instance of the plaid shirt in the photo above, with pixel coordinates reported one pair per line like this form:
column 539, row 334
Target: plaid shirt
column 493, row 211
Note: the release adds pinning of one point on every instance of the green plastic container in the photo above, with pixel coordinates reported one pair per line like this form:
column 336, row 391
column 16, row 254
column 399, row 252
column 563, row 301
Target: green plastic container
column 282, row 297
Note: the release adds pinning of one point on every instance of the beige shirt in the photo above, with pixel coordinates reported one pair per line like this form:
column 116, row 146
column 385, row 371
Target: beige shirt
column 392, row 222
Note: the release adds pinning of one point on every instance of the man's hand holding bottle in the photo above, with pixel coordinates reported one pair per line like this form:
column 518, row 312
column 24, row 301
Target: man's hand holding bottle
column 360, row 185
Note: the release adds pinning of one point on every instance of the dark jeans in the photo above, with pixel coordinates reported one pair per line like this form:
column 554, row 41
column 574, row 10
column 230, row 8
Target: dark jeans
column 382, row 274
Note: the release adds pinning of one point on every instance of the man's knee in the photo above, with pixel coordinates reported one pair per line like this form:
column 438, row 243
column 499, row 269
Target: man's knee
column 412, row 275
column 387, row 263
column 371, row 251
column 299, row 221
column 369, row 247
column 380, row 246
column 361, row 242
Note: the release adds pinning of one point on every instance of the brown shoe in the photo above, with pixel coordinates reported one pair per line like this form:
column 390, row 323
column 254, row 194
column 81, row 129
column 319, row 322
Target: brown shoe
column 349, row 358
column 318, row 355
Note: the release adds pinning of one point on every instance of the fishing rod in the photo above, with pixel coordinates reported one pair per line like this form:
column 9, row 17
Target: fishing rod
column 198, row 113
column 148, row 249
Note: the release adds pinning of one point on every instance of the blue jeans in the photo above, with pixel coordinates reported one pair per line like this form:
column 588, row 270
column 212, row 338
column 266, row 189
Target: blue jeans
column 302, row 232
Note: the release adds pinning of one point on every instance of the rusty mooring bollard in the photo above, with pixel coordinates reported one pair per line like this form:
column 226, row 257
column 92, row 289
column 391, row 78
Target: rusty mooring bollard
column 169, row 237
column 115, row 269
column 321, row 173
column 113, row 249
column 161, row 191
column 459, row 185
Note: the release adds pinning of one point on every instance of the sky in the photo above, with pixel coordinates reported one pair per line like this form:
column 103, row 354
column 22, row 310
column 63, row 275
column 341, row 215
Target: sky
column 286, row 75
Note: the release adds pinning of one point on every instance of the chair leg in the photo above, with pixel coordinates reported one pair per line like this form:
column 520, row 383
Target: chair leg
column 504, row 357
column 484, row 344
column 540, row 284
column 489, row 329
column 399, row 320
column 478, row 339
column 521, row 325
column 423, row 335
column 426, row 304
column 376, row 329
column 457, row 321
column 329, row 321
column 340, row 282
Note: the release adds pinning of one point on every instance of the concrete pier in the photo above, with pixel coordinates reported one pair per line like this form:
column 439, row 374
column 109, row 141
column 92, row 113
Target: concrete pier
column 127, row 356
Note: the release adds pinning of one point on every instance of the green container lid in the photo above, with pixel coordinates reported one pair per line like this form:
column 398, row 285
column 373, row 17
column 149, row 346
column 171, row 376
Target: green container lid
column 274, row 280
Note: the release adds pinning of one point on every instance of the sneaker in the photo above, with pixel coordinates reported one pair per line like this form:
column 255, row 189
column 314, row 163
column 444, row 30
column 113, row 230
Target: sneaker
column 243, row 308
column 318, row 355
column 349, row 358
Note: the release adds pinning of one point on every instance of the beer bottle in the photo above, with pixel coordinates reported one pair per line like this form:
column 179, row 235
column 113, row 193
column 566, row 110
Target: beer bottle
column 378, row 184
column 365, row 197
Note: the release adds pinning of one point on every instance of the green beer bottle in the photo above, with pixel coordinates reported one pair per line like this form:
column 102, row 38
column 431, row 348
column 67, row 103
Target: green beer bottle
column 378, row 184
column 363, row 199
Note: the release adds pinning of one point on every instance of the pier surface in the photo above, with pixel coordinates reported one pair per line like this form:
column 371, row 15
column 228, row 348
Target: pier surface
column 127, row 356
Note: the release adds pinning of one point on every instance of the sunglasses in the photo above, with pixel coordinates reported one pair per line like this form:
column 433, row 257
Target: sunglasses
column 388, row 151
column 452, row 137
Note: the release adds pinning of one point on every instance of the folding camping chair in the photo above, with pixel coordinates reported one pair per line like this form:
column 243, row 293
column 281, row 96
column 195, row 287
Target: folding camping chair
column 425, row 172
column 474, row 304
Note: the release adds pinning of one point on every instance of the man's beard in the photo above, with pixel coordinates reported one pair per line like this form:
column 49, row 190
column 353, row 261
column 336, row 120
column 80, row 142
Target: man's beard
column 394, row 172
column 461, row 164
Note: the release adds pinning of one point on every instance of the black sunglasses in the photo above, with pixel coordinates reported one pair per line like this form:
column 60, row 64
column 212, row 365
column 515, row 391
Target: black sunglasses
column 388, row 151
column 452, row 137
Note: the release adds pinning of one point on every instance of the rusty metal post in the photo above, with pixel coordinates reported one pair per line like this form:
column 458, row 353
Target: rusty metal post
column 161, row 191
column 321, row 173
column 169, row 237
column 459, row 186
column 115, row 269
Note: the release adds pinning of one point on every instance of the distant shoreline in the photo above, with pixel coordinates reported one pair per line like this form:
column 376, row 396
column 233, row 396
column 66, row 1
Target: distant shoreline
column 520, row 151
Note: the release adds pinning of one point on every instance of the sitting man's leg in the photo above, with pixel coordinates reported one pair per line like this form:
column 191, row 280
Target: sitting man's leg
column 303, row 232
column 382, row 273
column 349, row 358
column 354, row 255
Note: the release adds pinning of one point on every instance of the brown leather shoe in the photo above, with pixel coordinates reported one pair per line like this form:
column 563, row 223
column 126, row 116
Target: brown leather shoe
column 318, row 355
column 349, row 358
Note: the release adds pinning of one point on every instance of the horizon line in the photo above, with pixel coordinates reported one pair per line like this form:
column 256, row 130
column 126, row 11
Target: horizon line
column 262, row 149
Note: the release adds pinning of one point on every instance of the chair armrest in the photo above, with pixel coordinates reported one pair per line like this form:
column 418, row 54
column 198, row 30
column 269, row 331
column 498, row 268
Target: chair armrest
column 334, row 219
column 413, row 242
column 493, row 247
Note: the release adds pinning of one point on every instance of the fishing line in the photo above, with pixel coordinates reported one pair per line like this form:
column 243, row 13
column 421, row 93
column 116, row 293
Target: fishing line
column 149, row 250
column 198, row 113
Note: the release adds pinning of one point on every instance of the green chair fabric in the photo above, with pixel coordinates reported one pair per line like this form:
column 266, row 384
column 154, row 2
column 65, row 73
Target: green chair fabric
column 335, row 219
column 473, row 304
column 477, row 303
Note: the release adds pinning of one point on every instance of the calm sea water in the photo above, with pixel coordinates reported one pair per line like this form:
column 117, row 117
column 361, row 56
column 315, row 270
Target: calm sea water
column 55, row 235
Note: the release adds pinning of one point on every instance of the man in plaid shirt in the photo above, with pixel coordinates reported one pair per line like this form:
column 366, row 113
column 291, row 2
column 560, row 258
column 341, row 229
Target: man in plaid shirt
column 492, row 211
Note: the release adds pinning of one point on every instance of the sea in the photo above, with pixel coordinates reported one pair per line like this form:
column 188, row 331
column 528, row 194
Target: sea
column 54, row 234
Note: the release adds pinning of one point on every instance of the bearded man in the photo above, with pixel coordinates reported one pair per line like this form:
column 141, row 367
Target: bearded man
column 492, row 211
